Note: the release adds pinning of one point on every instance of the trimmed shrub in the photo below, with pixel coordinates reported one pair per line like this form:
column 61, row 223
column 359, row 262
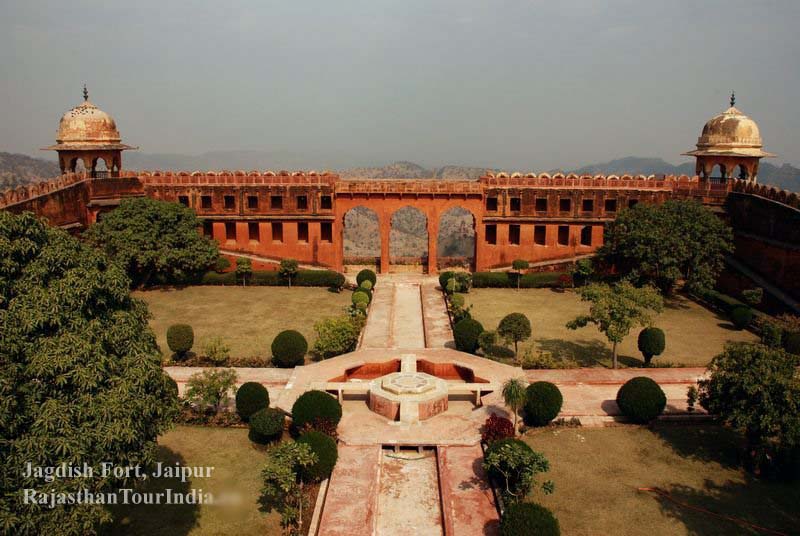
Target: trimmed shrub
column 791, row 343
column 363, row 292
column 250, row 398
column 487, row 339
column 366, row 275
column 514, row 327
column 641, row 399
column 457, row 300
column 463, row 281
column 266, row 278
column 771, row 334
column 317, row 278
column 361, row 298
column 528, row 518
column 443, row 277
column 502, row 280
column 741, row 316
column 266, row 425
column 499, row 351
column 466, row 333
column 315, row 405
column 366, row 285
column 327, row 453
column 288, row 349
column 221, row 264
column 651, row 343
column 496, row 428
column 180, row 338
column 542, row 404
column 271, row 278
column 335, row 336
column 490, row 280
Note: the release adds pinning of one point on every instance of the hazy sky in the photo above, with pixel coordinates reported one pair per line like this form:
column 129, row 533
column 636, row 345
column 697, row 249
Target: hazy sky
column 517, row 85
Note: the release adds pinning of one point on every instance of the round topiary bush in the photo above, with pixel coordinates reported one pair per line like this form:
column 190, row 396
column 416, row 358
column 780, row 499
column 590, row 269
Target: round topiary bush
column 641, row 399
column 366, row 274
column 651, row 343
column 180, row 338
column 266, row 425
column 289, row 349
column 457, row 300
column 443, row 277
column 251, row 397
column 528, row 518
column 741, row 316
column 543, row 401
column 357, row 296
column 466, row 333
column 791, row 342
column 366, row 284
column 315, row 405
column 327, row 453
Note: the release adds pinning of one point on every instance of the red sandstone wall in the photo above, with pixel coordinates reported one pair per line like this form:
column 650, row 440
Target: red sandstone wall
column 779, row 264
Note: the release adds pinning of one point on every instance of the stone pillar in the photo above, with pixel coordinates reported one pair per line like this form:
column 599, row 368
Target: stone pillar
column 385, row 225
column 433, row 232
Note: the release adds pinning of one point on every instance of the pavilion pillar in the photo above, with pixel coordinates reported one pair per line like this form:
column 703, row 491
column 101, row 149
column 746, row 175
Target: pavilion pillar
column 385, row 225
column 433, row 231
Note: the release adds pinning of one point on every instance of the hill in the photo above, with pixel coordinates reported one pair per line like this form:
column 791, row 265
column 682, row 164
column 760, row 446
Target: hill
column 19, row 169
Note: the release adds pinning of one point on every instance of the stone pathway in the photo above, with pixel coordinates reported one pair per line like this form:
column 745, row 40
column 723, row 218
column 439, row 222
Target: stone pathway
column 408, row 497
column 351, row 501
column 466, row 496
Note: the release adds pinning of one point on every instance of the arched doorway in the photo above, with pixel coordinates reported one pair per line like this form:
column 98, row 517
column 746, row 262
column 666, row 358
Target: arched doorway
column 408, row 241
column 361, row 239
column 455, row 242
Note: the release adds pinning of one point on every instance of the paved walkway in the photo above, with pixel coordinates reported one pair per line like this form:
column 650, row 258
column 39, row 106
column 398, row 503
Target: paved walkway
column 351, row 500
column 408, row 495
column 466, row 496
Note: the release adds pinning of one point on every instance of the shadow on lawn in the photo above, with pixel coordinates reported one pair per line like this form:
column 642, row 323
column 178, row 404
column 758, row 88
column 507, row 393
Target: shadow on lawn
column 154, row 519
column 591, row 353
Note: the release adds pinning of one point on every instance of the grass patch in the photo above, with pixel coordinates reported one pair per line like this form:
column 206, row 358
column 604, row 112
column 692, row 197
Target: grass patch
column 246, row 318
column 597, row 473
column 694, row 334
column 237, row 468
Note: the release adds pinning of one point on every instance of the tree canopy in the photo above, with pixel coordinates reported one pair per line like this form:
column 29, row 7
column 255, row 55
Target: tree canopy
column 155, row 241
column 661, row 244
column 80, row 374
column 616, row 309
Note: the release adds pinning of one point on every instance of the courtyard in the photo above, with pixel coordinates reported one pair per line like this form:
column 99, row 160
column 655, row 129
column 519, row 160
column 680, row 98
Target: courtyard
column 246, row 318
column 694, row 334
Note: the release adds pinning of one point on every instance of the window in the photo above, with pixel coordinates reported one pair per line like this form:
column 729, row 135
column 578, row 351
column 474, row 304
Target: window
column 491, row 204
column 611, row 205
column 230, row 231
column 540, row 235
column 252, row 202
column 326, row 202
column 277, row 231
column 302, row 202
column 563, row 235
column 326, row 230
column 541, row 204
column 632, row 203
column 587, row 205
column 516, row 204
column 230, row 202
column 565, row 204
column 302, row 232
column 208, row 228
column 491, row 234
column 586, row 236
column 205, row 201
column 275, row 202
column 183, row 200
column 253, row 231
column 513, row 235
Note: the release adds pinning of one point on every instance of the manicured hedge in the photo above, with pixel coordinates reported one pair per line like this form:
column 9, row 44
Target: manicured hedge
column 315, row 405
column 289, row 348
column 269, row 278
column 443, row 277
column 542, row 404
column 266, row 425
column 641, row 399
column 327, row 453
column 502, row 280
column 526, row 518
column 366, row 274
column 180, row 338
column 250, row 398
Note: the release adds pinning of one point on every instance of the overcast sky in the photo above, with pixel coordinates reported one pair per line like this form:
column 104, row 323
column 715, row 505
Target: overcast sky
column 516, row 85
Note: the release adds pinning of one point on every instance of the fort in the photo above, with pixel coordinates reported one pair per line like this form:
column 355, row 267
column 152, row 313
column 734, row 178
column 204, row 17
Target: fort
column 543, row 218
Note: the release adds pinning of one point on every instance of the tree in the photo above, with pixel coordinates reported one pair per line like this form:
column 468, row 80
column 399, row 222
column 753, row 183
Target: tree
column 651, row 342
column 755, row 389
column 515, row 327
column 211, row 388
column 514, row 396
column 154, row 241
column 518, row 265
column 244, row 269
column 81, row 378
column 283, row 489
column 288, row 270
column 660, row 244
column 516, row 465
column 616, row 309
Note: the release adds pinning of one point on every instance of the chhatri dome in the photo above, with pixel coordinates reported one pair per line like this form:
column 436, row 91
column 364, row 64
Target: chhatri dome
column 88, row 134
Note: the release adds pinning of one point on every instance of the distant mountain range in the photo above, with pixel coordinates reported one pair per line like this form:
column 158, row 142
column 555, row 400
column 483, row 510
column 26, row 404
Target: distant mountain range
column 17, row 169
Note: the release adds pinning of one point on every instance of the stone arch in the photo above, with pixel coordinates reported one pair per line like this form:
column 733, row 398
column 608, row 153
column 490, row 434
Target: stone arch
column 741, row 172
column 408, row 240
column 456, row 239
column 361, row 237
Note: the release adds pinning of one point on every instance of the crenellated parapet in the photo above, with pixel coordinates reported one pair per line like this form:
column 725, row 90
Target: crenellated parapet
column 772, row 193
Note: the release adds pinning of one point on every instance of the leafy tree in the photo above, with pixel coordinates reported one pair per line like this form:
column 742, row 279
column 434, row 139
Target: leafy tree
column 514, row 396
column 154, row 241
column 288, row 269
column 661, row 244
column 616, row 309
column 283, row 489
column 80, row 375
column 210, row 389
column 516, row 465
column 755, row 389
column 518, row 265
column 515, row 327
column 582, row 271
column 244, row 269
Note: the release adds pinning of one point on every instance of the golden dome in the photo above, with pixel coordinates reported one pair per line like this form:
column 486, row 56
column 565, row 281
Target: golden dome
column 730, row 133
column 86, row 123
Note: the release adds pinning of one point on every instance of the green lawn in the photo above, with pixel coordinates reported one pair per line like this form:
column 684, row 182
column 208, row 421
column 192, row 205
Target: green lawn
column 694, row 334
column 247, row 319
column 597, row 472
column 237, row 467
